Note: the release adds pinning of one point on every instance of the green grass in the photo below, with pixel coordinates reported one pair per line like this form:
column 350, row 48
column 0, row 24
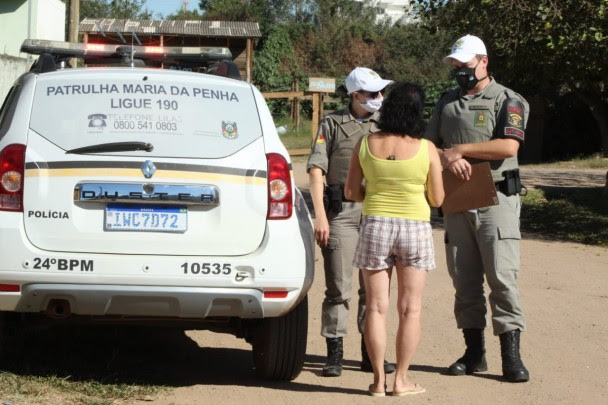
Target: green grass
column 572, row 214
column 295, row 138
column 65, row 390
column 595, row 161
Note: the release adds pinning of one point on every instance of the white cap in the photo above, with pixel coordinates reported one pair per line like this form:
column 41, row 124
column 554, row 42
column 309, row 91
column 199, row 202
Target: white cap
column 465, row 49
column 365, row 79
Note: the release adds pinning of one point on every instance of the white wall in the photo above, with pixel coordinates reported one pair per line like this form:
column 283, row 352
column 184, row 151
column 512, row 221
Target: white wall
column 50, row 23
column 395, row 10
column 46, row 20
column 10, row 69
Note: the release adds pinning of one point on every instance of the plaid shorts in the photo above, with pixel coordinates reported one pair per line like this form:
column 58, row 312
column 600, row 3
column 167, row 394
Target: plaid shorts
column 383, row 241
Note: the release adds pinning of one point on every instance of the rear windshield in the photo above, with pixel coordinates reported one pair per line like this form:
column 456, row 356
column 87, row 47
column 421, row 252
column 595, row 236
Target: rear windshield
column 185, row 115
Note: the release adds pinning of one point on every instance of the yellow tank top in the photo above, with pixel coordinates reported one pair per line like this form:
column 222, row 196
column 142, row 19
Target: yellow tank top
column 395, row 188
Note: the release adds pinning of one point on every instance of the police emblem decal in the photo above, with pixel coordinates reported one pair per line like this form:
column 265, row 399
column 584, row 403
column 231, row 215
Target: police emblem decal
column 148, row 169
column 515, row 120
column 229, row 129
column 481, row 119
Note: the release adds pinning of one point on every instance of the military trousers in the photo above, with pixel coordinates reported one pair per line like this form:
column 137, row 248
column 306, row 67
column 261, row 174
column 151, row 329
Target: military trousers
column 337, row 262
column 485, row 243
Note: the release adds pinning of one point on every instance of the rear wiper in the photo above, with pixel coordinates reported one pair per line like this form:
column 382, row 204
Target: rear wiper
column 114, row 147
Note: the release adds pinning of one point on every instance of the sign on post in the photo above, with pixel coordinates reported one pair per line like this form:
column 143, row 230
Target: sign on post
column 321, row 84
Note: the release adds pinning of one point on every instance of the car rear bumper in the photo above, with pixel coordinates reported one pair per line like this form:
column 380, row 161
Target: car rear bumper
column 62, row 300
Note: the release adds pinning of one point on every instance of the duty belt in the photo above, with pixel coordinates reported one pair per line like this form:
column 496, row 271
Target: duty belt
column 341, row 186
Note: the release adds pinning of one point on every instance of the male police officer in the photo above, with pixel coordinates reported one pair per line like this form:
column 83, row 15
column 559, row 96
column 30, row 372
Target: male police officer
column 483, row 121
column 337, row 219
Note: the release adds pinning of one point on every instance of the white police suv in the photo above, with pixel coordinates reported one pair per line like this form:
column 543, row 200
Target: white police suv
column 154, row 195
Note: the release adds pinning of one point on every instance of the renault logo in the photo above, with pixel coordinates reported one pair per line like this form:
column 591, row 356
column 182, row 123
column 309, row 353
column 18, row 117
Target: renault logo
column 148, row 169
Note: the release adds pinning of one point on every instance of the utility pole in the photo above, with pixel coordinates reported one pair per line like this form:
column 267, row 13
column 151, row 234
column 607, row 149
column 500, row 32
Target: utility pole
column 73, row 27
column 29, row 26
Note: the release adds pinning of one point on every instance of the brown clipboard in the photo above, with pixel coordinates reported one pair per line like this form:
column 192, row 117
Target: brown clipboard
column 460, row 195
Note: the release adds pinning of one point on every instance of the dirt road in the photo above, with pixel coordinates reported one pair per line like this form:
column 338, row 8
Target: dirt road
column 563, row 287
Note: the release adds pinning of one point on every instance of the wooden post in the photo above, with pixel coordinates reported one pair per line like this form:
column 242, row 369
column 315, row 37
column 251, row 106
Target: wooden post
column 296, row 105
column 249, row 60
column 292, row 113
column 315, row 115
column 321, row 105
column 73, row 25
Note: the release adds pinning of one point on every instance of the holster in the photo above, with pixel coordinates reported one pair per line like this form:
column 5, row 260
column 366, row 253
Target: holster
column 332, row 199
column 511, row 185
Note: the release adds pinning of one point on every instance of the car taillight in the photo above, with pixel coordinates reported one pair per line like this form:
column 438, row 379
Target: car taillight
column 280, row 203
column 12, row 166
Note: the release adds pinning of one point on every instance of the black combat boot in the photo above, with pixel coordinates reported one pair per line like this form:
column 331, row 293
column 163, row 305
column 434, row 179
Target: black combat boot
column 366, row 364
column 335, row 353
column 474, row 359
column 513, row 368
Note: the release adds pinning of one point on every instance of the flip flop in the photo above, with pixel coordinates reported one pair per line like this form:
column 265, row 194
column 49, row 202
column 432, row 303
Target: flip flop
column 416, row 389
column 376, row 394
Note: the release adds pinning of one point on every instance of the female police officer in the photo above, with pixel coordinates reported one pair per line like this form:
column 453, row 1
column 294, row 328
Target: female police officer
column 337, row 221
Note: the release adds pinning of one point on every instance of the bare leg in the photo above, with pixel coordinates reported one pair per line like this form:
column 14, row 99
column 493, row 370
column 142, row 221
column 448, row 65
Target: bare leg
column 411, row 284
column 377, row 287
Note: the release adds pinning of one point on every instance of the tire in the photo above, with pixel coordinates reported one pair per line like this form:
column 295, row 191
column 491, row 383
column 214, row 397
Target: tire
column 280, row 344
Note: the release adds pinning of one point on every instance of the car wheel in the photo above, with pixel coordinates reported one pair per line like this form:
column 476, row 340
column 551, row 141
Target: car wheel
column 279, row 346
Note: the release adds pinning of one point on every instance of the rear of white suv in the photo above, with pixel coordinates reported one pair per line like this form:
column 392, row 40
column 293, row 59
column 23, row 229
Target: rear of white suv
column 154, row 195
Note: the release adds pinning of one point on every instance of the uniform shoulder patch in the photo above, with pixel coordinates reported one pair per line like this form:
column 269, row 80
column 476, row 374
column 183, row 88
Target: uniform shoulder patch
column 514, row 123
column 320, row 138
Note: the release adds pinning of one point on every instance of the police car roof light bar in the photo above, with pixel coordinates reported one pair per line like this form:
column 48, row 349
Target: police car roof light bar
column 93, row 51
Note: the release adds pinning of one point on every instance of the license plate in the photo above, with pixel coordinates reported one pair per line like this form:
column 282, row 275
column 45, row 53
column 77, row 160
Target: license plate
column 146, row 218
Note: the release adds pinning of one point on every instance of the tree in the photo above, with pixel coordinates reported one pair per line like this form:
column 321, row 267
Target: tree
column 546, row 47
column 265, row 12
column 341, row 34
column 123, row 9
column 182, row 14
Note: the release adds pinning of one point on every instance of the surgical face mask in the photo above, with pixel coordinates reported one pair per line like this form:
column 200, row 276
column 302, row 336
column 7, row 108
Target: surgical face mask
column 372, row 104
column 465, row 77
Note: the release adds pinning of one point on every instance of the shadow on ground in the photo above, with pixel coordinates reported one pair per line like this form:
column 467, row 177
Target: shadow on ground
column 143, row 356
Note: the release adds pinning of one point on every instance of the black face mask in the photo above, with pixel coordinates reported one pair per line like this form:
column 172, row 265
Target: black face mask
column 465, row 77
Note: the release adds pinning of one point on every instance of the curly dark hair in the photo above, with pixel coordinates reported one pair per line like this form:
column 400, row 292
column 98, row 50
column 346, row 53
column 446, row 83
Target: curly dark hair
column 401, row 111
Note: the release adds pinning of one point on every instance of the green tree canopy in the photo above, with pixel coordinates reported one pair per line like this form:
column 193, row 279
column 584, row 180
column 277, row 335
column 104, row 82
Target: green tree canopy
column 124, row 9
column 182, row 14
column 265, row 12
